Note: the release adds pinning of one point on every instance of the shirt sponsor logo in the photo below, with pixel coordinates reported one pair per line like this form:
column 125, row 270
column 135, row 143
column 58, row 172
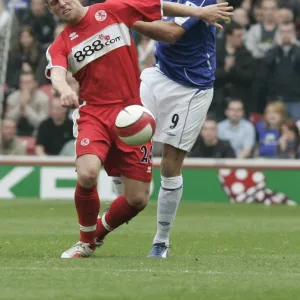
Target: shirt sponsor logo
column 101, row 43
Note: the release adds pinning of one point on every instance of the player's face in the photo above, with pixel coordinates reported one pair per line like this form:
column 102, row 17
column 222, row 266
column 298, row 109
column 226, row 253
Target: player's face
column 66, row 10
column 209, row 132
column 235, row 111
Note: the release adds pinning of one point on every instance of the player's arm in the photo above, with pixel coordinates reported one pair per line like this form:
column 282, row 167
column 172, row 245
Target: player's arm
column 167, row 32
column 171, row 32
column 210, row 14
column 56, row 71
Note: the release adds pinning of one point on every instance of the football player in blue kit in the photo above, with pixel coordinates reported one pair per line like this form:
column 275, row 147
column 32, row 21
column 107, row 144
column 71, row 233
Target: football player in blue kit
column 178, row 91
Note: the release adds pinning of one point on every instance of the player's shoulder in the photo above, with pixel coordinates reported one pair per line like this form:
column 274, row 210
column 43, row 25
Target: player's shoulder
column 60, row 40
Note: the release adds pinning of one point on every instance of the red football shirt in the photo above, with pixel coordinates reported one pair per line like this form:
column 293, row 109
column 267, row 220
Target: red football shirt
column 101, row 53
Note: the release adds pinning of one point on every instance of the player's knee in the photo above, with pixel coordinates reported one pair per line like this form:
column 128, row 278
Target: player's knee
column 88, row 177
column 139, row 199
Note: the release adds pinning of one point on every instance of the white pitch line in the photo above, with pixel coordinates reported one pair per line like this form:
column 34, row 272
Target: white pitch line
column 117, row 271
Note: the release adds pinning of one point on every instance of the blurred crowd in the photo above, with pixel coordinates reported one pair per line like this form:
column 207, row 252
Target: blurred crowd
column 256, row 106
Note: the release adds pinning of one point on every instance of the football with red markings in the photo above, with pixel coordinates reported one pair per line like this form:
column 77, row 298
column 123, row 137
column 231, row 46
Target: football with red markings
column 135, row 125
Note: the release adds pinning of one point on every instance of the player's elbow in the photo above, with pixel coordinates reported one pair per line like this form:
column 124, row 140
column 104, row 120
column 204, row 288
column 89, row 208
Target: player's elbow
column 171, row 37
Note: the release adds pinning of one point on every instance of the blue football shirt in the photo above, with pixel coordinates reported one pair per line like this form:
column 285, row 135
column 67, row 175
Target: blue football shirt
column 191, row 61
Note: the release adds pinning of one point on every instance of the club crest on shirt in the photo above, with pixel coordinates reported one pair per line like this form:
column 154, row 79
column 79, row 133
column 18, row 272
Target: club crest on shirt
column 100, row 15
column 84, row 142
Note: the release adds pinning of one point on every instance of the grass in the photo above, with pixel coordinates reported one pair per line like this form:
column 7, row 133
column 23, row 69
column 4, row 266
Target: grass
column 218, row 252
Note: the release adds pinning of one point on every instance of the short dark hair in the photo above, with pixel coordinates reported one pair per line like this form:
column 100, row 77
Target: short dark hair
column 231, row 27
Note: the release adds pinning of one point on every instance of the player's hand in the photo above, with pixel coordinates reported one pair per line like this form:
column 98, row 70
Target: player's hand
column 69, row 99
column 212, row 14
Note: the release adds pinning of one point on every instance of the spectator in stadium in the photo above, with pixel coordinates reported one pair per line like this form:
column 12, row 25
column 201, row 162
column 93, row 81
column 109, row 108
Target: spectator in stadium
column 24, row 56
column 285, row 15
column 279, row 74
column 40, row 70
column 27, row 106
column 9, row 142
column 208, row 145
column 234, row 71
column 40, row 19
column 238, row 131
column 54, row 132
column 241, row 17
column 289, row 140
column 262, row 36
column 267, row 130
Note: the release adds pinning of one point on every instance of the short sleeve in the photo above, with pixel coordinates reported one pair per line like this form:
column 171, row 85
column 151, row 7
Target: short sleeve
column 56, row 56
column 187, row 23
column 131, row 11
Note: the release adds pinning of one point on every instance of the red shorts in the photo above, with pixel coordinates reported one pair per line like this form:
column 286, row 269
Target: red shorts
column 95, row 133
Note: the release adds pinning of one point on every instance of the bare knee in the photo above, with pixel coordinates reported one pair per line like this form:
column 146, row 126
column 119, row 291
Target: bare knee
column 138, row 200
column 136, row 193
column 88, row 170
column 172, row 161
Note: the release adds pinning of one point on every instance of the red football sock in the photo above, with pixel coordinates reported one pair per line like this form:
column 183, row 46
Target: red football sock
column 87, row 204
column 119, row 212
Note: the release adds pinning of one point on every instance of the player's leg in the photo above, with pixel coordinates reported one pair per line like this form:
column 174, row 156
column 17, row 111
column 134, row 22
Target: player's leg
column 125, row 207
column 89, row 147
column 181, row 113
column 87, row 204
column 135, row 166
column 169, row 197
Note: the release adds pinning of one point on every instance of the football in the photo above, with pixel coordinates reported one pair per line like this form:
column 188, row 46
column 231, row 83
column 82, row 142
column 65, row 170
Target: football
column 135, row 125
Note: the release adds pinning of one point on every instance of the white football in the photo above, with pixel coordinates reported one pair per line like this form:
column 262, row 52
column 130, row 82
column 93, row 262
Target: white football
column 135, row 125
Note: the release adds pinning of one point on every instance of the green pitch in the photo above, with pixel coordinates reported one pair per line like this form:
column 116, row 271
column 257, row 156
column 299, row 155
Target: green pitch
column 218, row 252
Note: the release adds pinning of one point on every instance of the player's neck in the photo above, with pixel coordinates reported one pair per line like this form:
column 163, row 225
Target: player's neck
column 81, row 14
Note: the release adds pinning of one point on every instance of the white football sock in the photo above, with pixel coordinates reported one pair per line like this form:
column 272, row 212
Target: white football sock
column 118, row 186
column 168, row 201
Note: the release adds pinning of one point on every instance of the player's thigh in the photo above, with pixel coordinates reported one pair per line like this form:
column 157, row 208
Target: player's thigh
column 92, row 143
column 150, row 83
column 195, row 118
column 181, row 117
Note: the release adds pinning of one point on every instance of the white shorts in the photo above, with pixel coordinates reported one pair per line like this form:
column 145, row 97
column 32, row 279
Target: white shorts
column 179, row 111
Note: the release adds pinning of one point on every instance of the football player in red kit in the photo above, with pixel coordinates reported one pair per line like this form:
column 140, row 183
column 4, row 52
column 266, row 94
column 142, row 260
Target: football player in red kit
column 97, row 48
